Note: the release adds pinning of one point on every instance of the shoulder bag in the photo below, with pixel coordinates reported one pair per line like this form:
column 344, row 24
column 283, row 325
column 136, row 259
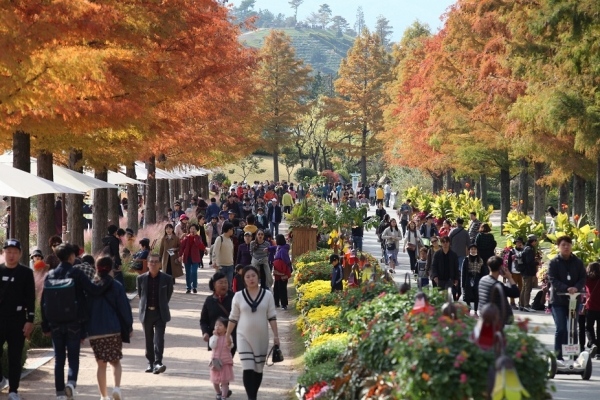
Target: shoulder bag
column 410, row 246
column 277, row 355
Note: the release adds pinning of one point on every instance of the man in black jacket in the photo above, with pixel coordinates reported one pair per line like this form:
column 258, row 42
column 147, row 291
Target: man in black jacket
column 528, row 272
column 274, row 217
column 444, row 266
column 566, row 274
column 17, row 310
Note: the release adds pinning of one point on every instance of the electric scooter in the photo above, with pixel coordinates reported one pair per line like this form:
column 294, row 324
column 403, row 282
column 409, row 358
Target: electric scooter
column 575, row 362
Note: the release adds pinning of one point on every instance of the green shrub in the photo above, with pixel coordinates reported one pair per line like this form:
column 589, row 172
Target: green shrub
column 304, row 172
column 318, row 272
column 321, row 354
column 38, row 340
column 324, row 372
column 4, row 359
column 219, row 177
column 130, row 280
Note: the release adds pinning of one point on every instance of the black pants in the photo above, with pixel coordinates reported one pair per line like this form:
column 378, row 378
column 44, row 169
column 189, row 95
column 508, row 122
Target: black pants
column 280, row 293
column 412, row 256
column 593, row 317
column 11, row 332
column 581, row 331
column 403, row 224
column 252, row 381
column 154, row 332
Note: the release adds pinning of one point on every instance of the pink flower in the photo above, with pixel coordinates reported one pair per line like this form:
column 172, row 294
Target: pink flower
column 456, row 364
column 381, row 294
column 518, row 354
column 463, row 378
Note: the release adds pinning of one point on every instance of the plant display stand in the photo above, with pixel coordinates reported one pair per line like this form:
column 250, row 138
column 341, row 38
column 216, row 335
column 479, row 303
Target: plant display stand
column 303, row 240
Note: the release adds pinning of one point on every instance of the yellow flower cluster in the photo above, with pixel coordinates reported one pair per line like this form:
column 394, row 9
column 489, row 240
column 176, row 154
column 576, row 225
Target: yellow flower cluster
column 317, row 315
column 310, row 290
column 300, row 265
column 328, row 337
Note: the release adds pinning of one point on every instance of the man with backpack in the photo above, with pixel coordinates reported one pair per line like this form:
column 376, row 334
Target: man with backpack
column 17, row 310
column 64, row 314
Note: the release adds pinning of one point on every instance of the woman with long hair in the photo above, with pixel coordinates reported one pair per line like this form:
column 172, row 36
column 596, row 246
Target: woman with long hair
column 169, row 253
column 411, row 244
column 486, row 243
column 382, row 227
column 392, row 235
column 191, row 251
column 259, row 250
column 435, row 246
column 592, row 305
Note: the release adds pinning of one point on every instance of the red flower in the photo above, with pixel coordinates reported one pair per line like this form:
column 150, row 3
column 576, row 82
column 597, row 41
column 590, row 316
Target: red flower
column 576, row 217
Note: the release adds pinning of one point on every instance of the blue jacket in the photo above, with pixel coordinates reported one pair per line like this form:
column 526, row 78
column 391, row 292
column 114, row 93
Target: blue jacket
column 103, row 318
column 213, row 209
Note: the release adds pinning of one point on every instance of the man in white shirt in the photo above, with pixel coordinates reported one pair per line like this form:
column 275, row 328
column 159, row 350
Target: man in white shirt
column 387, row 190
column 222, row 252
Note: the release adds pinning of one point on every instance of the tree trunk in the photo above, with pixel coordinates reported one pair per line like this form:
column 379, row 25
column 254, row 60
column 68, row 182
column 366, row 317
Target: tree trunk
column 563, row 197
column 578, row 196
column 363, row 155
column 276, row 165
column 160, row 199
column 75, row 222
column 185, row 193
column 113, row 206
column 173, row 184
column 438, row 181
column 483, row 195
column 524, row 186
column 150, row 212
column 539, row 193
column 590, row 202
column 504, row 194
column 597, row 207
column 100, row 214
column 167, row 194
column 132, row 201
column 45, row 207
column 21, row 207
column 449, row 179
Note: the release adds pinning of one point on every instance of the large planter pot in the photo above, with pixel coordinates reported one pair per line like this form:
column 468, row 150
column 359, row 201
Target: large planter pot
column 303, row 240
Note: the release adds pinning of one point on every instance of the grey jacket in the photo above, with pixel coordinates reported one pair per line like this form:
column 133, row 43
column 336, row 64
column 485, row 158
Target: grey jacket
column 164, row 295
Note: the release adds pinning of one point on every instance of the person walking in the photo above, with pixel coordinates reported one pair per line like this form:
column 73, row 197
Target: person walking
column 154, row 290
column 65, row 287
column 460, row 241
column 252, row 311
column 107, row 313
column 379, row 195
column 221, row 371
column 486, row 243
column 282, row 271
column 592, row 306
column 191, row 251
column 473, row 269
column 216, row 306
column 392, row 237
column 182, row 228
column 566, row 274
column 274, row 216
column 404, row 213
column 169, row 253
column 428, row 229
column 382, row 227
column 259, row 250
column 222, row 252
column 111, row 244
column 380, row 212
column 387, row 192
column 411, row 244
column 528, row 272
column 17, row 311
column 287, row 202
column 435, row 246
column 474, row 226
column 444, row 266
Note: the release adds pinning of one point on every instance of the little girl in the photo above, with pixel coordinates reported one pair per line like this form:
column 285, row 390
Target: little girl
column 221, row 378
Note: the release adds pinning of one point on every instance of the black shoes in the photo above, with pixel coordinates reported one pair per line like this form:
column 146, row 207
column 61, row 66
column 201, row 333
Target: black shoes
column 188, row 291
column 149, row 369
column 159, row 368
column 194, row 291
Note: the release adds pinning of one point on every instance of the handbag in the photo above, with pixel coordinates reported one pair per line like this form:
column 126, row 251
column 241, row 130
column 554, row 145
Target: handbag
column 410, row 246
column 277, row 355
column 123, row 324
column 390, row 246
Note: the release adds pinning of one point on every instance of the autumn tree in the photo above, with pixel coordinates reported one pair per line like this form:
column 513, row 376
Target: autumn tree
column 358, row 110
column 282, row 82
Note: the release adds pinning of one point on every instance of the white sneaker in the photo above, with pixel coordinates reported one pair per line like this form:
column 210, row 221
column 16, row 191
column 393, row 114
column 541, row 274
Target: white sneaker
column 61, row 397
column 14, row 396
column 104, row 398
column 3, row 383
column 116, row 394
column 69, row 391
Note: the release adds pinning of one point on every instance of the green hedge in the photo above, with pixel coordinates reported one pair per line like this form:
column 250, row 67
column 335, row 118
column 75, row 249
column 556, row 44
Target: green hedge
column 130, row 280
column 38, row 340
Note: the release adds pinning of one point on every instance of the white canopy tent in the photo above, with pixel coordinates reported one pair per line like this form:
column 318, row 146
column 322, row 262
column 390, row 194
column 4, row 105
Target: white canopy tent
column 17, row 183
column 142, row 173
column 117, row 178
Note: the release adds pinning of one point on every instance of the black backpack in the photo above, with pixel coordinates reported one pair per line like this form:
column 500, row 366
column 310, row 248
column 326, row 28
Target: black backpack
column 60, row 299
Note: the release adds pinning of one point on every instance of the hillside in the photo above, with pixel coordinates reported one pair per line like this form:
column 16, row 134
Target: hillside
column 320, row 48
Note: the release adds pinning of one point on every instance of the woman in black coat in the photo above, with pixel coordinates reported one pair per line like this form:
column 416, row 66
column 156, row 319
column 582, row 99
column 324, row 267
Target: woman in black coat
column 216, row 306
column 473, row 269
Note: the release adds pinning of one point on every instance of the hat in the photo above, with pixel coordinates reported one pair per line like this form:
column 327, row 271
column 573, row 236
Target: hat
column 182, row 217
column 145, row 241
column 231, row 212
column 531, row 238
column 260, row 209
column 178, row 203
column 273, row 200
column 333, row 257
column 247, row 234
column 12, row 243
column 37, row 252
column 129, row 231
column 472, row 245
column 519, row 239
column 214, row 216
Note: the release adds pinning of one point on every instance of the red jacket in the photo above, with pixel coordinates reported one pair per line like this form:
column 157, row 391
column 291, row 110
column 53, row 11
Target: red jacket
column 593, row 294
column 191, row 246
column 280, row 267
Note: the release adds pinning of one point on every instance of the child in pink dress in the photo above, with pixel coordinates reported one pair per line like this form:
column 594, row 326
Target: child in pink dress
column 220, row 379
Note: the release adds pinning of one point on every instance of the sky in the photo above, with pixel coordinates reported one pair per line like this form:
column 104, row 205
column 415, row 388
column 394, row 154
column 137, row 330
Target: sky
column 400, row 13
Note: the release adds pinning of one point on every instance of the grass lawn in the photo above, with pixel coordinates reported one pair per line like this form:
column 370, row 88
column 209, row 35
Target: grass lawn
column 266, row 163
column 500, row 240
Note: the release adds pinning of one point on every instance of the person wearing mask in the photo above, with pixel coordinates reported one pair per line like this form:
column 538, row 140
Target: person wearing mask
column 488, row 282
column 191, row 249
column 566, row 274
column 168, row 253
column 259, row 249
column 17, row 311
column 252, row 311
column 444, row 266
column 64, row 323
column 486, row 243
column 473, row 269
column 474, row 227
column 528, row 272
column 154, row 290
column 222, row 253
column 459, row 241
column 111, row 244
column 274, row 216
column 107, row 312
column 592, row 306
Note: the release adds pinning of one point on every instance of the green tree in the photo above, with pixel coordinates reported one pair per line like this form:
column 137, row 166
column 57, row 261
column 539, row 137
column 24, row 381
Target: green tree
column 295, row 4
column 283, row 82
column 290, row 159
column 360, row 23
column 384, row 30
column 247, row 166
column 324, row 15
column 357, row 111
